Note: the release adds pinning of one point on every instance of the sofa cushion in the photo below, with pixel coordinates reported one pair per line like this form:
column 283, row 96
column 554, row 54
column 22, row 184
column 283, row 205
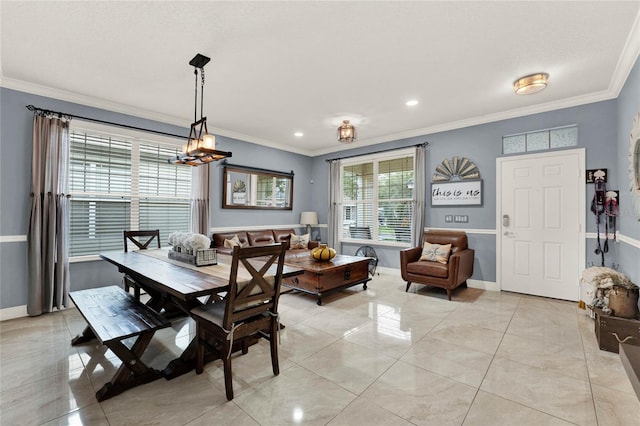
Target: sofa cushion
column 260, row 238
column 234, row 241
column 299, row 241
column 218, row 239
column 433, row 269
column 283, row 236
column 436, row 252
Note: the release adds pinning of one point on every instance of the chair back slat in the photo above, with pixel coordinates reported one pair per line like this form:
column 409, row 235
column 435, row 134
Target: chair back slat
column 248, row 297
column 141, row 239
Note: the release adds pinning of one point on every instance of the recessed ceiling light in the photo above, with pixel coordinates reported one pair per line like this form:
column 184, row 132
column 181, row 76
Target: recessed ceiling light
column 298, row 134
column 412, row 102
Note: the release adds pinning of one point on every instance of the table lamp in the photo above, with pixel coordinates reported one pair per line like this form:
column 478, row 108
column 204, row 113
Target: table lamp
column 309, row 218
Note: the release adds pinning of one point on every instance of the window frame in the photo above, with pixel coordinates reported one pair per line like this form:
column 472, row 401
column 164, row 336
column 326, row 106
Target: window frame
column 376, row 159
column 137, row 138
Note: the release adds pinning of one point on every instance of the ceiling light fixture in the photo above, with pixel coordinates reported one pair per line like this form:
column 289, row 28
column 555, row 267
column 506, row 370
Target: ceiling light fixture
column 411, row 103
column 201, row 146
column 531, row 83
column 298, row 134
column 346, row 132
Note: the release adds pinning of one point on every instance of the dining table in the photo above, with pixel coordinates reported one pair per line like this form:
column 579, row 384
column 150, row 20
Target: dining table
column 174, row 288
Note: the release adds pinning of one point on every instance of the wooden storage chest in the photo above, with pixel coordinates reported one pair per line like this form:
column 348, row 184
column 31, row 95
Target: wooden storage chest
column 611, row 331
column 323, row 277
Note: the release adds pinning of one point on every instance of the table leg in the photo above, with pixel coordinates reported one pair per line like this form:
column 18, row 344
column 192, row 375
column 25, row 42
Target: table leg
column 86, row 336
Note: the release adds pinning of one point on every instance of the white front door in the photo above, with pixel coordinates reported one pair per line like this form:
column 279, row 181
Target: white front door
column 541, row 209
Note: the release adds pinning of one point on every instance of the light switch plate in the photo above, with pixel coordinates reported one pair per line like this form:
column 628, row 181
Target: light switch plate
column 448, row 218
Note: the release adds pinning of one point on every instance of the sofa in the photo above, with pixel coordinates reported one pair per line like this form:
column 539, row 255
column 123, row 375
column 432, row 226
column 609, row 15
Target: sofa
column 449, row 275
column 260, row 238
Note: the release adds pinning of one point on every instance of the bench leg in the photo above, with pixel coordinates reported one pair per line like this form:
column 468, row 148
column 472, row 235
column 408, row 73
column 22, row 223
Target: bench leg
column 133, row 371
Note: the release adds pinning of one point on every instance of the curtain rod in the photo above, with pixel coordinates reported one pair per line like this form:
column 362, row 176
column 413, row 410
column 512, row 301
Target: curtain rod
column 224, row 163
column 425, row 143
column 95, row 120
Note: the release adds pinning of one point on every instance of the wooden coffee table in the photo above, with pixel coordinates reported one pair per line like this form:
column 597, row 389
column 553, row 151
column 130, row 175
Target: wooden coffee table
column 323, row 277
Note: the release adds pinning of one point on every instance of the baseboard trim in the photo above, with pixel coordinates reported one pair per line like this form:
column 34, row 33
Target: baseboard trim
column 483, row 285
column 388, row 271
column 13, row 312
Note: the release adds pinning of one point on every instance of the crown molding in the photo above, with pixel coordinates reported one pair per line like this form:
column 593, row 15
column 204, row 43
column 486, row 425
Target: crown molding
column 628, row 57
column 64, row 95
column 36, row 89
column 630, row 53
column 604, row 95
column 40, row 90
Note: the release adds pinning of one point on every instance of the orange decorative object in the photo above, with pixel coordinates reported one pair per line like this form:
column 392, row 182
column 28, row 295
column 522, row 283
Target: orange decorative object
column 322, row 252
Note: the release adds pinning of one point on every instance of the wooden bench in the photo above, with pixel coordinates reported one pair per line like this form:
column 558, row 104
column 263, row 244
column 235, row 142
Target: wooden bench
column 113, row 315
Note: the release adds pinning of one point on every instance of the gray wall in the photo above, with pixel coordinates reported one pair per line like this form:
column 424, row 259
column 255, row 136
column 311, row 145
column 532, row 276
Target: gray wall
column 15, row 185
column 482, row 145
column 603, row 131
column 628, row 106
column 248, row 154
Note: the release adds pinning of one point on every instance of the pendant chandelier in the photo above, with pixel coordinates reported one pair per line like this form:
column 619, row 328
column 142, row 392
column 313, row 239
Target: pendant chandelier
column 201, row 146
column 346, row 132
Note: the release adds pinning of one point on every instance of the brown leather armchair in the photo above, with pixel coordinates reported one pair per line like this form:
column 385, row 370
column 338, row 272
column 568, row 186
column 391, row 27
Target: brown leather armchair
column 449, row 276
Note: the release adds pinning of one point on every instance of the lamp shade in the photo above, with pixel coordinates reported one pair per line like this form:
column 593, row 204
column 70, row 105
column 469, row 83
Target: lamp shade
column 309, row 218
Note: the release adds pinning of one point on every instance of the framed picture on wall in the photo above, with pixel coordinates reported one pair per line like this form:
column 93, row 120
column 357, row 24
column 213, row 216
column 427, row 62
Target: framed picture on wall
column 458, row 193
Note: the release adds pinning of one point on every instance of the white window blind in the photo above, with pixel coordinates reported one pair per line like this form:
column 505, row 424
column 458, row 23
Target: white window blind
column 377, row 196
column 120, row 183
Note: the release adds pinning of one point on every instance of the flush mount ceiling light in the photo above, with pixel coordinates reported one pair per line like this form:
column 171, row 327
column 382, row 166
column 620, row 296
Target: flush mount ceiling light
column 411, row 103
column 201, row 146
column 346, row 132
column 531, row 83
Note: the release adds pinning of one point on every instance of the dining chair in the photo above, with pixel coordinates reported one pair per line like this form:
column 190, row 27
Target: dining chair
column 142, row 240
column 250, row 309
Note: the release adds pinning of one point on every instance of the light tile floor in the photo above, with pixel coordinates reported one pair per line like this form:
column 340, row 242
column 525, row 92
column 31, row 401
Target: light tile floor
column 374, row 357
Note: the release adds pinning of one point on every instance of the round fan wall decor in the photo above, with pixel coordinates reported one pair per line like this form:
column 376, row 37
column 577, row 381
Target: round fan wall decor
column 460, row 168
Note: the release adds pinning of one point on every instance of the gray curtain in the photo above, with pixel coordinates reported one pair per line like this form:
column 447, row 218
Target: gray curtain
column 334, row 219
column 419, row 189
column 200, row 200
column 48, row 236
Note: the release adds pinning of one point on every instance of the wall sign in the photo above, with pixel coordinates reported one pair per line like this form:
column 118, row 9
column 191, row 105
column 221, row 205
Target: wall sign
column 460, row 193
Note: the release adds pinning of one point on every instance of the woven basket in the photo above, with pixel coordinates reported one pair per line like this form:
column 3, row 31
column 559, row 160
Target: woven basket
column 623, row 302
column 204, row 257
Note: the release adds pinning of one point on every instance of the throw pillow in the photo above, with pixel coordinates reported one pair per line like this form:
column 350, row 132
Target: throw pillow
column 436, row 252
column 235, row 241
column 299, row 241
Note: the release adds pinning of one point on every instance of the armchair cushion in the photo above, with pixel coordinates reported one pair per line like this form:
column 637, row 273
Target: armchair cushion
column 428, row 269
column 436, row 252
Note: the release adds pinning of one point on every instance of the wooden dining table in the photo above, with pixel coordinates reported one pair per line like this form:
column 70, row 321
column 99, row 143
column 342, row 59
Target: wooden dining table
column 175, row 288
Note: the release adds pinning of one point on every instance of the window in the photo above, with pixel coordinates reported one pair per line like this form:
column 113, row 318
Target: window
column 120, row 182
column 539, row 140
column 377, row 197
